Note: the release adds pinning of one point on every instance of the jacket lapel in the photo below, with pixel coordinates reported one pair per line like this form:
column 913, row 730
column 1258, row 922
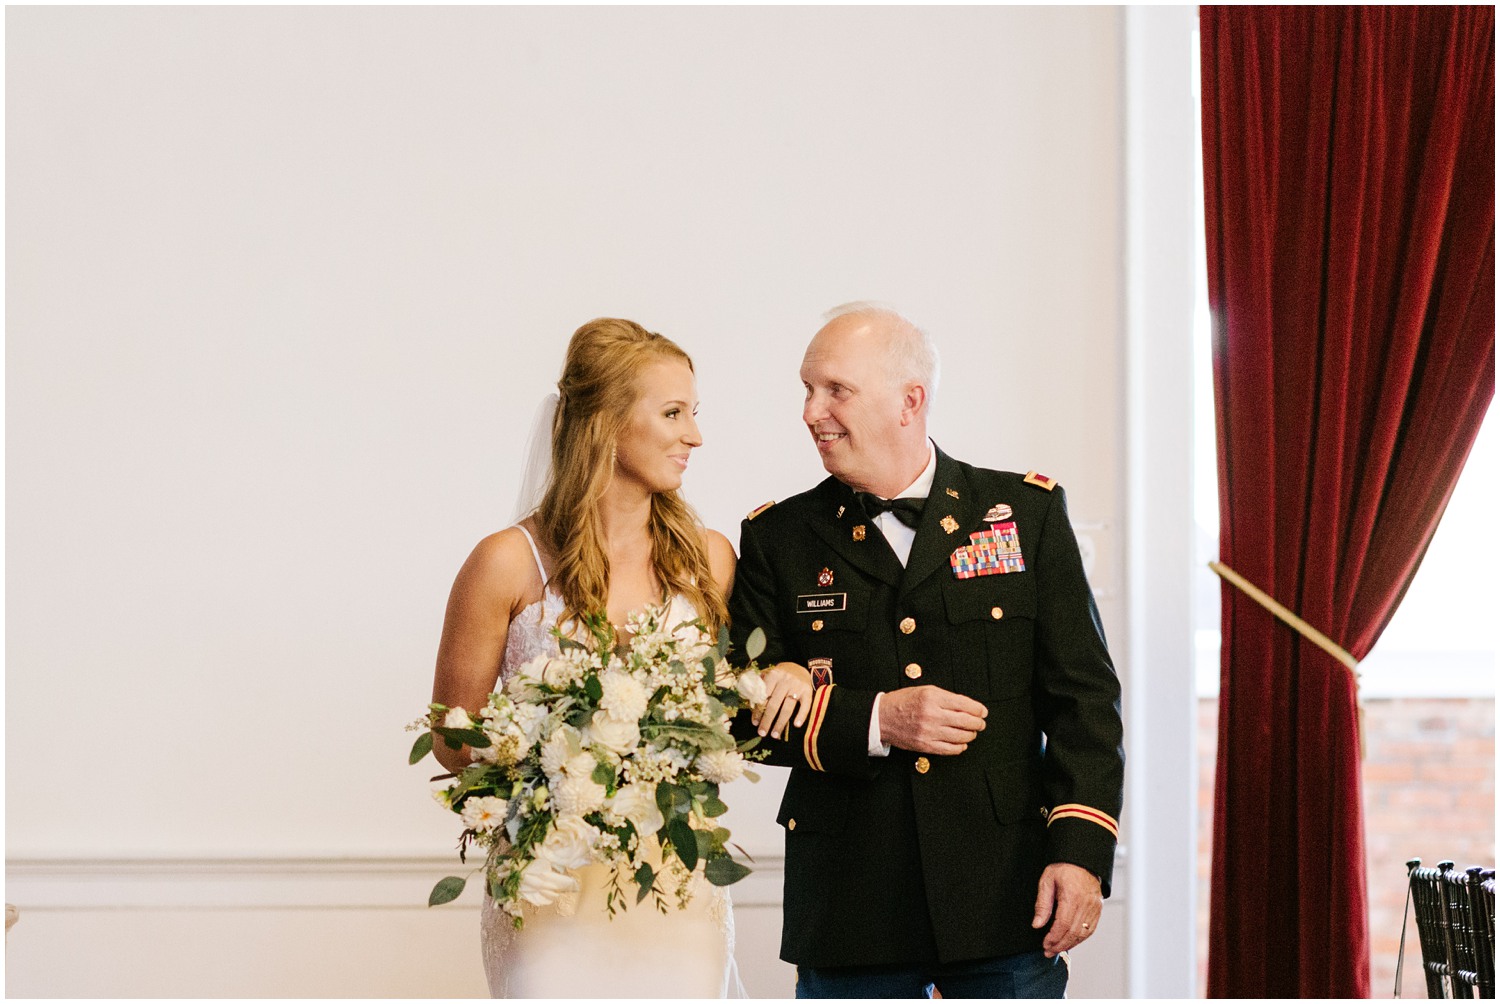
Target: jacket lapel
column 951, row 499
column 835, row 519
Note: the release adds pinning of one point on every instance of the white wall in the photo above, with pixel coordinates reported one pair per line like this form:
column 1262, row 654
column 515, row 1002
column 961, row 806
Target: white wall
column 283, row 289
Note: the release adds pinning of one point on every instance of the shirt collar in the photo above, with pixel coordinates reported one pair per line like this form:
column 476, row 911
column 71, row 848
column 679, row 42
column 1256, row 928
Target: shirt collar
column 922, row 487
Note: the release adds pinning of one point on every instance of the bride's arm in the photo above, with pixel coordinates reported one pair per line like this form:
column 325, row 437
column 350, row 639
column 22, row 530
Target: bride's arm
column 485, row 596
column 788, row 686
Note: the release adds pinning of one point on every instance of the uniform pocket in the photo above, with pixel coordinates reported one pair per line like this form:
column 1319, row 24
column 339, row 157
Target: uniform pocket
column 993, row 625
column 1013, row 795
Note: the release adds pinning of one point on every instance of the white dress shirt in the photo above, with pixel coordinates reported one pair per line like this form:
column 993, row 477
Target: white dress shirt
column 900, row 537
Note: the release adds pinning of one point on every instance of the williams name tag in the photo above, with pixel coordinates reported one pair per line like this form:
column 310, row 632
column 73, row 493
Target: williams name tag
column 822, row 603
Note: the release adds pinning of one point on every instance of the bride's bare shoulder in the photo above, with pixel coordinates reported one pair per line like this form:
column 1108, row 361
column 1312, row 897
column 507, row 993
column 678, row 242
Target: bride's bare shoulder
column 501, row 565
column 721, row 557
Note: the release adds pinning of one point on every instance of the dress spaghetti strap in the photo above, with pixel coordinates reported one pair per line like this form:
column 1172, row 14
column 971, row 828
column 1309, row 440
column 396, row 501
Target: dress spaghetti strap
column 535, row 554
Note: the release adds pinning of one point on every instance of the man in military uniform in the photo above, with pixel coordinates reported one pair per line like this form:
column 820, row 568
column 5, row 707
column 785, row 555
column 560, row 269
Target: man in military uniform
column 951, row 813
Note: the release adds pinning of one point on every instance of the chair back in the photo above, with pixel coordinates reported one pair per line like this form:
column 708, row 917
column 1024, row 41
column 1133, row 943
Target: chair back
column 1455, row 914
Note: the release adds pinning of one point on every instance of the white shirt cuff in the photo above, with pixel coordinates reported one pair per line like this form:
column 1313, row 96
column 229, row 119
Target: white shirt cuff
column 877, row 748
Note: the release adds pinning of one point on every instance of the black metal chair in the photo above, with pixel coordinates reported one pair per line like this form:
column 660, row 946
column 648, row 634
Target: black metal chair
column 1482, row 900
column 1456, row 927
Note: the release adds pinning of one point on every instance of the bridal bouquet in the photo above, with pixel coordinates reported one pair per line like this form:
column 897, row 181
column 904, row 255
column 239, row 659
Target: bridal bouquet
column 602, row 754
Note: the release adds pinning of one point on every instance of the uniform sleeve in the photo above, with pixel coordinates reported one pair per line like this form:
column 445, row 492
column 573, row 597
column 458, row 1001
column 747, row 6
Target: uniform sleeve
column 1077, row 700
column 835, row 737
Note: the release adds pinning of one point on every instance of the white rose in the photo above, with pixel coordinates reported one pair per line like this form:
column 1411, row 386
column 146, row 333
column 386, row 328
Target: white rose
column 486, row 813
column 721, row 766
column 637, row 803
column 752, row 688
column 541, row 884
column 457, row 718
column 613, row 734
column 576, row 796
column 624, row 698
column 570, row 844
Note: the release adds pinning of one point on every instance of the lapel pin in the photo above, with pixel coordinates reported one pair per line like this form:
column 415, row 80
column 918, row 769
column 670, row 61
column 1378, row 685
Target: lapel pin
column 825, row 578
column 997, row 513
column 859, row 532
column 952, row 493
column 950, row 524
column 840, row 513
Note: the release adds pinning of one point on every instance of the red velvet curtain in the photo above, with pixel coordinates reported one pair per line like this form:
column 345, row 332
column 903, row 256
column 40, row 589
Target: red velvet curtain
column 1350, row 204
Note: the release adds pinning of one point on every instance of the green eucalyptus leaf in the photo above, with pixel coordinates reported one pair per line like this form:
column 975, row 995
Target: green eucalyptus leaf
column 705, row 843
column 755, row 644
column 714, row 807
column 684, row 842
column 593, row 688
column 446, row 891
column 725, row 871
column 723, row 645
column 603, row 774
column 644, row 877
column 473, row 737
column 565, row 644
column 749, row 744
column 421, row 747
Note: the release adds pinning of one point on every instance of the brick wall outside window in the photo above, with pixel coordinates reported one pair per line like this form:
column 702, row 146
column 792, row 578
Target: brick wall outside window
column 1429, row 787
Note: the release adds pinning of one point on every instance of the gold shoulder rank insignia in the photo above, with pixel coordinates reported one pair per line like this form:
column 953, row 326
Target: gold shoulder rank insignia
column 760, row 509
column 1040, row 480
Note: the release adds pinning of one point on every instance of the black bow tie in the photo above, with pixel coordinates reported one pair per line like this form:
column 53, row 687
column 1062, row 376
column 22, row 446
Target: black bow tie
column 908, row 511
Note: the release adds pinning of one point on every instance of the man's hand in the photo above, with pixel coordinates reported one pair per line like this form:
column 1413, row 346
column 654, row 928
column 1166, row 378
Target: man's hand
column 1078, row 900
column 929, row 719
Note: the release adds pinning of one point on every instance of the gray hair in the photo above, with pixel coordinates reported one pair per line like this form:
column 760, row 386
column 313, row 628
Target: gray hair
column 913, row 357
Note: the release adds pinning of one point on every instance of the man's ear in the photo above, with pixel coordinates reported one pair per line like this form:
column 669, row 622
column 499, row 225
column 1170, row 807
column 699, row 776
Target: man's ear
column 913, row 401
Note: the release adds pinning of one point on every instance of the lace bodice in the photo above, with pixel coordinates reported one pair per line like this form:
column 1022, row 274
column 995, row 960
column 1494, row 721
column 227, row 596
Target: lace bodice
column 530, row 632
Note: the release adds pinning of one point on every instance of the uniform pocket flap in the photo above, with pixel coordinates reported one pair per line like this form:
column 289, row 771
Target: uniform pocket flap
column 1013, row 796
column 817, row 612
column 985, row 599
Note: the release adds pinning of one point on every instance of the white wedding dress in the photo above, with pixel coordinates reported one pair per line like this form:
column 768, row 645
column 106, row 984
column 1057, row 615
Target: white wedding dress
column 641, row 952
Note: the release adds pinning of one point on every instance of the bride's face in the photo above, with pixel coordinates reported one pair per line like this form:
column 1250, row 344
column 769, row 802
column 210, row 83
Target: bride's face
column 662, row 429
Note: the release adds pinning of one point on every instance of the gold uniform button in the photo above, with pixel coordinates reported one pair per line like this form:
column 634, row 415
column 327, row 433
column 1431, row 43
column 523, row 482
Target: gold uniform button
column 817, row 625
column 913, row 671
column 923, row 765
column 996, row 613
column 791, row 824
column 908, row 625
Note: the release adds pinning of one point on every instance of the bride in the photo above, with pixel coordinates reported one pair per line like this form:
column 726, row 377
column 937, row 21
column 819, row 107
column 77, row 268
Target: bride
column 611, row 533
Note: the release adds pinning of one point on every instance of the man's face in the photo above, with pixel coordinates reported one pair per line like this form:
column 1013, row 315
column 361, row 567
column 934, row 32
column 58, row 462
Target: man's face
column 853, row 407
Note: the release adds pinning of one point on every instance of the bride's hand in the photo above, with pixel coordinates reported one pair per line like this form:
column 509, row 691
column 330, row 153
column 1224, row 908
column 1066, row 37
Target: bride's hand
column 789, row 691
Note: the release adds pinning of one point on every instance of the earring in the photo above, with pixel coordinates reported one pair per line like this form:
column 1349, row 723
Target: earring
column 614, row 455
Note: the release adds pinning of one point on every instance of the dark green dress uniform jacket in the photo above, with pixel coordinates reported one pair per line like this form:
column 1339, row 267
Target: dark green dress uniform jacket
column 908, row 858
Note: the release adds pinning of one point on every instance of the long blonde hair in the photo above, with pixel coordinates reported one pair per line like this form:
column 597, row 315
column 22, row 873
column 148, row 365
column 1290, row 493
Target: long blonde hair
column 595, row 395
